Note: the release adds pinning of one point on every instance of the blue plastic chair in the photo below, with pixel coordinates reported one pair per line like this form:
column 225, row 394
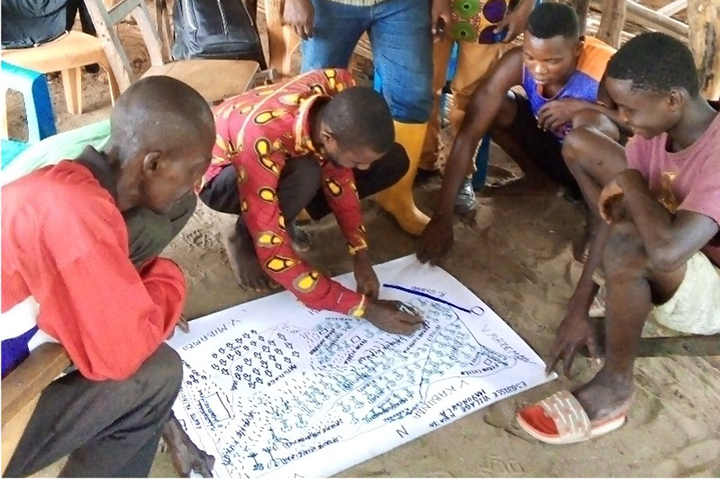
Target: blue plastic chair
column 10, row 150
column 483, row 156
column 38, row 106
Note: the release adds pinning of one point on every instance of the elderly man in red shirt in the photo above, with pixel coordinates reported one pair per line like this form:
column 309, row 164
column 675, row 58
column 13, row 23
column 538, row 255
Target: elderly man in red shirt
column 79, row 266
column 317, row 143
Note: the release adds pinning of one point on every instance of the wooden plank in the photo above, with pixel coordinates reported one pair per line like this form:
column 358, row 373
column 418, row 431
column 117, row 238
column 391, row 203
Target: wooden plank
column 646, row 18
column 652, row 17
column 237, row 76
column 675, row 7
column 704, row 20
column 29, row 379
column 691, row 346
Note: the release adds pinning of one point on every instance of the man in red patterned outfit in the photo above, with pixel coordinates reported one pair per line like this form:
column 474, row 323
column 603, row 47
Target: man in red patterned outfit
column 317, row 143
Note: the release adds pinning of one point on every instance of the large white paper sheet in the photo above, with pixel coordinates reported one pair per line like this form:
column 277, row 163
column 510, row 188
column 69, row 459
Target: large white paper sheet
column 274, row 389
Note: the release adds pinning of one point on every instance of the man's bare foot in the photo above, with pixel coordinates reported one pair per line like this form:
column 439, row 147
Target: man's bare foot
column 606, row 396
column 522, row 186
column 186, row 456
column 249, row 274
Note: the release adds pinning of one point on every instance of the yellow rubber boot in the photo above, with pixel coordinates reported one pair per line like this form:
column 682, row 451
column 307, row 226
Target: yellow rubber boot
column 398, row 200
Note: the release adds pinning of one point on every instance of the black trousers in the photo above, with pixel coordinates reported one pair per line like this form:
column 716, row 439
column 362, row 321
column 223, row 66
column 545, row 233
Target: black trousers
column 542, row 147
column 300, row 185
column 110, row 428
column 75, row 6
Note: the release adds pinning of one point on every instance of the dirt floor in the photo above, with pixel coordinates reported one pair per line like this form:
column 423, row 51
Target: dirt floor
column 516, row 255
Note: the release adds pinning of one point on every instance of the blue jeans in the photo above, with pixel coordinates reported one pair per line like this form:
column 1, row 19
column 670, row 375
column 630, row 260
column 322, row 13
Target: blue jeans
column 401, row 41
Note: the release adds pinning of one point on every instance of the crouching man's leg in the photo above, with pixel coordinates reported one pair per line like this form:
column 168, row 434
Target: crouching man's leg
column 594, row 157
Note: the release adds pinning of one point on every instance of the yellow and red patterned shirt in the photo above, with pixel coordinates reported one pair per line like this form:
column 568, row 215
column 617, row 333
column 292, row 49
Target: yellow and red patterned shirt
column 258, row 132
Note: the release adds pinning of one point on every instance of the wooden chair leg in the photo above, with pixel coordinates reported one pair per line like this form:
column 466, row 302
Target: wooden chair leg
column 112, row 81
column 72, row 83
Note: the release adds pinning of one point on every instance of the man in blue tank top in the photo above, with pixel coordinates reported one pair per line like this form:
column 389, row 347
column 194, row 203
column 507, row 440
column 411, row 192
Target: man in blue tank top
column 561, row 73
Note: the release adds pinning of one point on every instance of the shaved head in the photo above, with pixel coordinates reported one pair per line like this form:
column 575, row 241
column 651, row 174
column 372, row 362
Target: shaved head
column 159, row 113
column 161, row 139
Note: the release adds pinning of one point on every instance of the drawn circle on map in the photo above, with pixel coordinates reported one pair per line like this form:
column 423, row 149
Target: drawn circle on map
column 494, row 10
column 467, row 8
column 478, row 310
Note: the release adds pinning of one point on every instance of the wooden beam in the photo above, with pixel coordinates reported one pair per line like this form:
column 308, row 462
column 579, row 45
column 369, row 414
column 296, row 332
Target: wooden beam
column 644, row 17
column 612, row 22
column 675, row 7
column 704, row 20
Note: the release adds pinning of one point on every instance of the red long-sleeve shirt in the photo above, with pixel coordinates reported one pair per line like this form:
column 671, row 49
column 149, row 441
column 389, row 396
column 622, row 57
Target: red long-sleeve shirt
column 258, row 132
column 65, row 246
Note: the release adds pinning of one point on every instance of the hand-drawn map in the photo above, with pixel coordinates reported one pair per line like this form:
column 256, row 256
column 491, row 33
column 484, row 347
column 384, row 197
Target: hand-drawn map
column 274, row 389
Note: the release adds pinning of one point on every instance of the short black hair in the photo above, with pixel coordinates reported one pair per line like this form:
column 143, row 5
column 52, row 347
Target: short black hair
column 360, row 117
column 550, row 20
column 655, row 62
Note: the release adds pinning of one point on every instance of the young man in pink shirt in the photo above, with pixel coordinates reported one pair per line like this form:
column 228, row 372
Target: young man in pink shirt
column 659, row 245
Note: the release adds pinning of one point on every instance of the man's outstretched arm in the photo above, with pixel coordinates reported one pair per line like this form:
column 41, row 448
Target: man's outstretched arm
column 483, row 108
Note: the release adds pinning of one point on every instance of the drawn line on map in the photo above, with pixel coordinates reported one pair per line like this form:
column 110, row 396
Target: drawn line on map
column 473, row 310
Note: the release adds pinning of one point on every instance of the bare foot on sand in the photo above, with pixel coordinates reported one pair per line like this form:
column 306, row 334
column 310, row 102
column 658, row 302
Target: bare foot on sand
column 522, row 186
column 606, row 396
column 249, row 274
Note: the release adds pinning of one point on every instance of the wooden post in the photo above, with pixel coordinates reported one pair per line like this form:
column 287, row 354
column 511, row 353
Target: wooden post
column 613, row 22
column 704, row 39
column 582, row 8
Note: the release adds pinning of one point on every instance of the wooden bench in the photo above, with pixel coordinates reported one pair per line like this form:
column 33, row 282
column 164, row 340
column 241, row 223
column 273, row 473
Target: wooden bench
column 21, row 391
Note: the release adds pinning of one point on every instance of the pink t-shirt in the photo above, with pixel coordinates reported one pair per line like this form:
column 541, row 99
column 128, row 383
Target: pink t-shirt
column 686, row 180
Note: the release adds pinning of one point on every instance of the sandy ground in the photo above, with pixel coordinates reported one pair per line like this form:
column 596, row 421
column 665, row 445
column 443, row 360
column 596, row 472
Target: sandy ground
column 515, row 255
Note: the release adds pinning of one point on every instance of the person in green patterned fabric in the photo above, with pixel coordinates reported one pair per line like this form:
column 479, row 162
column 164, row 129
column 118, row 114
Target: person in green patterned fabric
column 482, row 29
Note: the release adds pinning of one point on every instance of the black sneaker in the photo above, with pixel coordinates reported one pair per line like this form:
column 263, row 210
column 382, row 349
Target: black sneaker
column 465, row 201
